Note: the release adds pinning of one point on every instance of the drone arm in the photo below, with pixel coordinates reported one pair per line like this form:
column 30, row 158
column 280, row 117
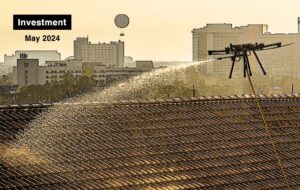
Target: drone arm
column 278, row 44
column 217, row 52
column 248, row 64
column 232, row 66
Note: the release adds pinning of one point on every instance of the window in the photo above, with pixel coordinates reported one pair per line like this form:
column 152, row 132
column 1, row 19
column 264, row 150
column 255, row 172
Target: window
column 25, row 65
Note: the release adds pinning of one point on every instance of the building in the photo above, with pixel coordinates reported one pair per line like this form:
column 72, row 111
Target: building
column 95, row 70
column 189, row 143
column 145, row 65
column 278, row 63
column 115, row 74
column 5, row 69
column 78, row 44
column 41, row 55
column 282, row 62
column 26, row 72
column 109, row 54
column 8, row 89
column 8, row 94
column 219, row 36
column 54, row 71
column 129, row 62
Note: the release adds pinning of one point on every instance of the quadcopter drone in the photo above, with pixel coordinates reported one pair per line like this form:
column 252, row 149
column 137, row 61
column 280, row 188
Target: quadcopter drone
column 242, row 51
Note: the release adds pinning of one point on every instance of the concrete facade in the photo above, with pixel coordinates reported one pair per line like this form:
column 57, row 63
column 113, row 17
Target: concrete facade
column 283, row 62
column 5, row 69
column 219, row 36
column 109, row 54
column 144, row 65
column 54, row 71
column 26, row 72
column 78, row 43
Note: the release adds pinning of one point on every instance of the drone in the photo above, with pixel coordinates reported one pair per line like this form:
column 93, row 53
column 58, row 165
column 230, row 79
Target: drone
column 243, row 51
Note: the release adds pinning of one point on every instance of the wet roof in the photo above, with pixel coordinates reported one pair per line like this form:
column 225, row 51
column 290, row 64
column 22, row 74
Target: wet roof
column 189, row 143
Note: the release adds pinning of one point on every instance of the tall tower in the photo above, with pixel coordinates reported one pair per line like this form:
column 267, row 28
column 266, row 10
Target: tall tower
column 78, row 43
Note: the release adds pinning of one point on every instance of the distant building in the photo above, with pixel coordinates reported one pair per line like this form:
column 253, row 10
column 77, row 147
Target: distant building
column 41, row 55
column 283, row 62
column 160, row 64
column 113, row 74
column 219, row 36
column 26, row 72
column 109, row 54
column 129, row 62
column 5, row 69
column 54, row 71
column 78, row 44
column 95, row 70
column 8, row 89
column 144, row 65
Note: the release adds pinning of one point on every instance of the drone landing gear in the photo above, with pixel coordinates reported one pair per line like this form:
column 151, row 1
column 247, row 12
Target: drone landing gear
column 262, row 68
column 246, row 64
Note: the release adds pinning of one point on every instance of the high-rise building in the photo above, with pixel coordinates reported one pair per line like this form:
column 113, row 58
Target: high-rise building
column 283, row 62
column 78, row 44
column 26, row 72
column 219, row 36
column 109, row 54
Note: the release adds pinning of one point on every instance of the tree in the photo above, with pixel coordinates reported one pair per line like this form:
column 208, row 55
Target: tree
column 5, row 80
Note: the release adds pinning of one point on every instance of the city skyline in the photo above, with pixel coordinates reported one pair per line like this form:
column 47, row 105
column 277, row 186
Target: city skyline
column 162, row 32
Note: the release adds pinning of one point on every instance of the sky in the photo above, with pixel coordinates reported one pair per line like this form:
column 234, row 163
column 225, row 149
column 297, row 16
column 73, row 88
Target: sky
column 159, row 30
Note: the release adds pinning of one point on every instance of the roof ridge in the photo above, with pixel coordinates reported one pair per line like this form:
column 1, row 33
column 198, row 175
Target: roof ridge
column 158, row 101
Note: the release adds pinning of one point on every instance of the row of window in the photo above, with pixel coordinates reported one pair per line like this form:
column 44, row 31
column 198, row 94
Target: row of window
column 60, row 76
column 98, row 76
column 62, row 71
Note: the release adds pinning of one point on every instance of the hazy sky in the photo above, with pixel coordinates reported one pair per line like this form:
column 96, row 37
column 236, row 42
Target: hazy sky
column 159, row 29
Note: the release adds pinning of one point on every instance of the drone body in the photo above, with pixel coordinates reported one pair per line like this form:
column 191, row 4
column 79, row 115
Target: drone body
column 243, row 51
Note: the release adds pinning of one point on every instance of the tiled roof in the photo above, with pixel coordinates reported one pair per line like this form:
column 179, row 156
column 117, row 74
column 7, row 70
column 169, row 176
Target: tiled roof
column 189, row 143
